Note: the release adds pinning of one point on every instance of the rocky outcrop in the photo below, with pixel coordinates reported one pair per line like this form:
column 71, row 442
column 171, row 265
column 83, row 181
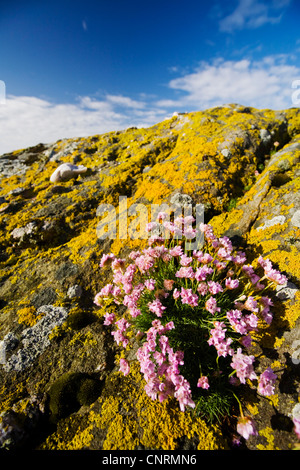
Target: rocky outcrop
column 59, row 384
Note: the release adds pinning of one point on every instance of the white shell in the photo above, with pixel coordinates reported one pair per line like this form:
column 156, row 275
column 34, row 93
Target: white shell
column 66, row 171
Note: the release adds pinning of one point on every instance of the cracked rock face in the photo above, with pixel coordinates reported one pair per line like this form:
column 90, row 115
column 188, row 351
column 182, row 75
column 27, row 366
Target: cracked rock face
column 241, row 164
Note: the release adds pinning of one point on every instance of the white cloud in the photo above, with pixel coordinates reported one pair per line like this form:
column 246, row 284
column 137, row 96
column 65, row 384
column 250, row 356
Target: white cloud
column 253, row 14
column 261, row 84
column 125, row 101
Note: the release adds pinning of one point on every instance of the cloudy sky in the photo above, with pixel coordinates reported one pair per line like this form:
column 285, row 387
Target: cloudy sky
column 71, row 68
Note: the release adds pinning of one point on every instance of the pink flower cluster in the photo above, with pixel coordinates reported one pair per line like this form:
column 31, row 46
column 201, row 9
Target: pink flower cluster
column 266, row 383
column 215, row 285
column 160, row 366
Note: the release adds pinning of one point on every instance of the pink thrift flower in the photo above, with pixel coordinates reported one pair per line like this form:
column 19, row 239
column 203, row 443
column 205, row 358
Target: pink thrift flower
column 276, row 277
column 197, row 254
column 144, row 263
column 109, row 318
column 240, row 258
column 168, row 284
column 243, row 366
column 176, row 251
column 297, row 427
column 185, row 272
column 189, row 233
column 246, row 341
column 224, row 254
column 237, row 321
column 106, row 259
column 203, row 382
column 272, row 274
column 185, row 260
column 202, row 273
column 231, row 283
column 187, row 297
column 202, row 288
column 124, row 366
column 246, row 427
column 118, row 264
column 214, row 287
column 296, row 419
column 265, row 263
column 134, row 255
column 251, row 304
column 211, row 306
column 219, row 340
column 176, row 293
column 162, row 216
column 151, row 226
column 98, row 300
column 183, row 394
column 206, row 258
column 266, row 383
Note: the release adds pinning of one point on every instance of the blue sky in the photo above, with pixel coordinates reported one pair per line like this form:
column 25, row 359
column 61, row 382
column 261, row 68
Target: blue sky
column 77, row 68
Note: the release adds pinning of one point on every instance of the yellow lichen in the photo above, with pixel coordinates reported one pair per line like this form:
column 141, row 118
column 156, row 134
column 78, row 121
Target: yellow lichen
column 268, row 433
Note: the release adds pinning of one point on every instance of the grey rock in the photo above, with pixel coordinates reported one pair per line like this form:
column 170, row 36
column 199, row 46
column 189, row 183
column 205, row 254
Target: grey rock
column 74, row 291
column 286, row 292
column 265, row 136
column 182, row 200
column 226, row 153
column 20, row 233
column 296, row 219
column 16, row 428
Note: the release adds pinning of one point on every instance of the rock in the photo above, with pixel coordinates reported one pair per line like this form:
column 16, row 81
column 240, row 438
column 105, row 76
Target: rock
column 9, row 342
column 286, row 292
column 280, row 219
column 265, row 136
column 181, row 200
column 67, row 171
column 17, row 427
column 296, row 219
column 22, row 233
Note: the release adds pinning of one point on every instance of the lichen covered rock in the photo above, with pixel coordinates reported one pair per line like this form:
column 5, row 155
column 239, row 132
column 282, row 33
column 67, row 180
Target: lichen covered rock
column 242, row 165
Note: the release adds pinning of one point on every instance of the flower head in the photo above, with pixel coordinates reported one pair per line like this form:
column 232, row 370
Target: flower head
column 203, row 382
column 246, row 427
column 124, row 366
column 243, row 365
column 156, row 307
column 211, row 305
